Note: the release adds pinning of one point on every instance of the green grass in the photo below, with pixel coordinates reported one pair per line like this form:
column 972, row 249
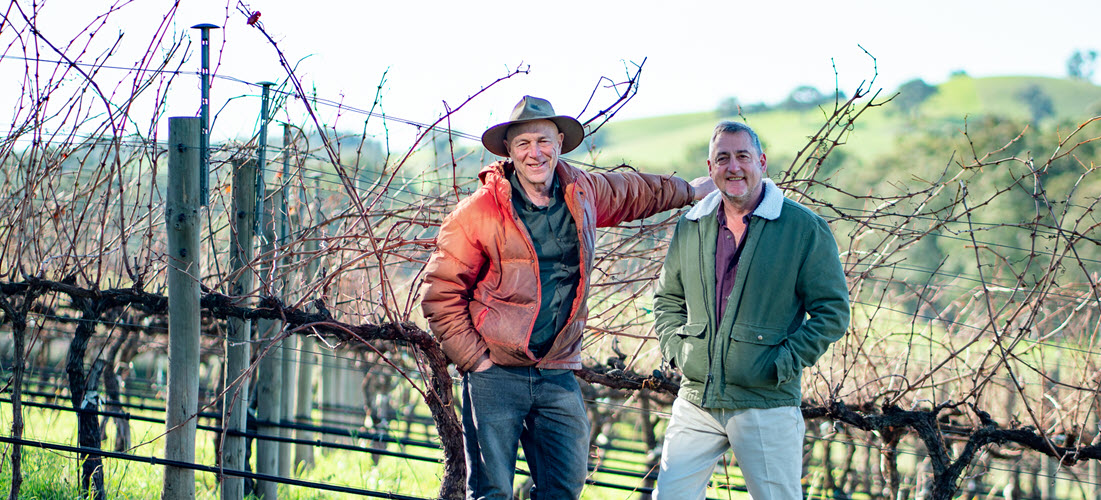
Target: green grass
column 46, row 476
column 50, row 474
column 55, row 475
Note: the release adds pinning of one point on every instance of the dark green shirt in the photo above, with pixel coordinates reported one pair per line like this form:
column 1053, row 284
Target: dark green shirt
column 557, row 249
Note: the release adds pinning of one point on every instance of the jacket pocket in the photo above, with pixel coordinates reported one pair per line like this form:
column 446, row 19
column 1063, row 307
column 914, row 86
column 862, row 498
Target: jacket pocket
column 751, row 360
column 502, row 327
column 692, row 357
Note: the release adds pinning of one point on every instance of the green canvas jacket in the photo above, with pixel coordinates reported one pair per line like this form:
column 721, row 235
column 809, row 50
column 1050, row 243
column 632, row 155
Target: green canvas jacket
column 790, row 301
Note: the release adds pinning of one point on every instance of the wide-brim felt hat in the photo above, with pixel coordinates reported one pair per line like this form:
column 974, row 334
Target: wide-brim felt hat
column 530, row 109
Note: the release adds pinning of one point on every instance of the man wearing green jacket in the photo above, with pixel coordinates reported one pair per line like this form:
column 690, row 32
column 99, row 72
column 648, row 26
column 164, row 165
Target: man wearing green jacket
column 752, row 291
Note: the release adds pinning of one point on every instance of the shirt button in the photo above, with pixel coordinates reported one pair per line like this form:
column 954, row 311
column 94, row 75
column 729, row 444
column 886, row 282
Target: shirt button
column 760, row 337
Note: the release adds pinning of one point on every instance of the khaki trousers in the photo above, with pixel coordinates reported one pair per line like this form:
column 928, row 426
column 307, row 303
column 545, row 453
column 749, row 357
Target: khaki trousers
column 767, row 444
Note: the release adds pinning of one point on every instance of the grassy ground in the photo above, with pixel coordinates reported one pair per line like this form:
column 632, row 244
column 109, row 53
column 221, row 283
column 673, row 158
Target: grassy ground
column 56, row 475
column 50, row 474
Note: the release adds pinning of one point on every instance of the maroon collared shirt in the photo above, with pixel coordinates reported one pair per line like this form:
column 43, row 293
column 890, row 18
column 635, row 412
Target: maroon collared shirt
column 727, row 251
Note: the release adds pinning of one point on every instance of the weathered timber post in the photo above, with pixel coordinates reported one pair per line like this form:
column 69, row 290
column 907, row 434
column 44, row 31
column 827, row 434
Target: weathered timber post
column 354, row 390
column 182, row 222
column 307, row 354
column 1051, row 465
column 112, row 387
column 1094, row 471
column 1012, row 490
column 269, row 372
column 290, row 344
column 867, row 479
column 269, row 376
column 307, row 358
column 330, row 395
column 236, row 398
column 646, row 424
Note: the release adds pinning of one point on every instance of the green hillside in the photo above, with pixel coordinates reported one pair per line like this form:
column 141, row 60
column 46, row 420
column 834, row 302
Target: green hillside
column 677, row 143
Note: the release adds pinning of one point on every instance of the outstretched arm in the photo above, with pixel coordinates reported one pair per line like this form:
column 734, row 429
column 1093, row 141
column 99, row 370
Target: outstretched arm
column 626, row 196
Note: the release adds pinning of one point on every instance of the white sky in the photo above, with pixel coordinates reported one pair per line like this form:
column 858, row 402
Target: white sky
column 697, row 52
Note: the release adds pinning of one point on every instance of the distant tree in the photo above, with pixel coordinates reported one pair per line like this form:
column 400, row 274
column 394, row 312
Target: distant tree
column 729, row 107
column 804, row 97
column 912, row 93
column 958, row 73
column 757, row 107
column 1081, row 64
column 1038, row 102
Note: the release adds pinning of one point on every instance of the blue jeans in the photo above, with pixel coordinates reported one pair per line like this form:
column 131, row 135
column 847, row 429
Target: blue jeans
column 543, row 411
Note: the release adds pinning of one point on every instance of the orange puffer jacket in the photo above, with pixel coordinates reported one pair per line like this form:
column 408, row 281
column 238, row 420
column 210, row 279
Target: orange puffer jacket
column 481, row 287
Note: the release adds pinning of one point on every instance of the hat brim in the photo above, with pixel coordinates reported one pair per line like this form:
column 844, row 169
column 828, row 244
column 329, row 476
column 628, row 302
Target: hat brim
column 494, row 138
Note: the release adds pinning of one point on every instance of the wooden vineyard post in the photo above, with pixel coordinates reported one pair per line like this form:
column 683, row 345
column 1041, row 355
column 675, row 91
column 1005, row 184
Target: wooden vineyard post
column 236, row 398
column 183, row 225
column 269, row 377
column 290, row 344
column 307, row 356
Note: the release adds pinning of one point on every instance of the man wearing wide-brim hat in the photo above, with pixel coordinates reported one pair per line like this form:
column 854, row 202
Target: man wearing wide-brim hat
column 505, row 293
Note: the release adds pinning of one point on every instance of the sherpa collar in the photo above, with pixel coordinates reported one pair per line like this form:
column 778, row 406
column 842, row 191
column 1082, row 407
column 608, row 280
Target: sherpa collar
column 768, row 209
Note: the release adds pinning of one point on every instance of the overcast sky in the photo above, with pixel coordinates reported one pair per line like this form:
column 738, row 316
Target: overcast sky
column 696, row 52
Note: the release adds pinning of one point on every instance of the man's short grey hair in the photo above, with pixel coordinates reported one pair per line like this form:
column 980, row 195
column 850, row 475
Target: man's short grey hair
column 729, row 127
